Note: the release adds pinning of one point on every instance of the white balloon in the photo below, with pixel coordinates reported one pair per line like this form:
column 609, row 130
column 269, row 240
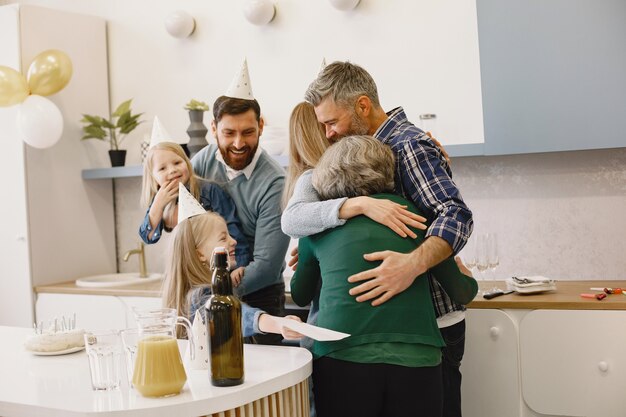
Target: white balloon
column 344, row 4
column 180, row 24
column 259, row 12
column 39, row 122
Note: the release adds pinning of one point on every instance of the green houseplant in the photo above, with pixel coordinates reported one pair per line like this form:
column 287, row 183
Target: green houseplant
column 112, row 130
column 196, row 105
column 197, row 130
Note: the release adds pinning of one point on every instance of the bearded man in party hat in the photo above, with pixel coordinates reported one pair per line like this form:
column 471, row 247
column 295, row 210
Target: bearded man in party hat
column 255, row 181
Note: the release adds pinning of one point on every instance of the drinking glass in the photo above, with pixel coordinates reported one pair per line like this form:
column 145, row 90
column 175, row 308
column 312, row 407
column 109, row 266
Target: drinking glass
column 130, row 338
column 493, row 259
column 482, row 260
column 469, row 254
column 104, row 350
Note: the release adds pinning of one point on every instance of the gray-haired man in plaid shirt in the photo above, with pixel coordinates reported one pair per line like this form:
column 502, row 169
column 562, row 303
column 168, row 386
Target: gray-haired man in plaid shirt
column 346, row 101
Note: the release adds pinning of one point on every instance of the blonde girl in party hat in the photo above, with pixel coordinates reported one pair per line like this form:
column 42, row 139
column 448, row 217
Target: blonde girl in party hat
column 165, row 167
column 188, row 271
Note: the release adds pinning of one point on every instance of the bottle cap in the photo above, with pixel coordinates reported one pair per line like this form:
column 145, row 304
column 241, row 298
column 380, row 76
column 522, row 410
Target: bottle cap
column 220, row 257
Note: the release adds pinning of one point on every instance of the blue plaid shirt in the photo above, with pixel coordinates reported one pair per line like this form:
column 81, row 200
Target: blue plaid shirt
column 424, row 177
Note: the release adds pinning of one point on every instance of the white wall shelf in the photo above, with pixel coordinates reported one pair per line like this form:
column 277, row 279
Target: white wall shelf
column 137, row 170
column 115, row 172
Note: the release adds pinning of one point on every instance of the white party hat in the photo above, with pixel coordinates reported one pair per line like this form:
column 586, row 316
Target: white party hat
column 188, row 206
column 200, row 340
column 322, row 66
column 240, row 86
column 159, row 134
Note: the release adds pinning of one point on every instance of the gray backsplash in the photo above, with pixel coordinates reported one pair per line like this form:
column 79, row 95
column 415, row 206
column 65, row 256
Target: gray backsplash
column 561, row 215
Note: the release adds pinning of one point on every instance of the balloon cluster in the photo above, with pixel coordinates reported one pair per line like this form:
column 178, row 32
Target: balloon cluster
column 39, row 120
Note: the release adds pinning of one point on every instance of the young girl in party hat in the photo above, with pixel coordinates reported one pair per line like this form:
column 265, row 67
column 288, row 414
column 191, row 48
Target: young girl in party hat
column 165, row 167
column 188, row 271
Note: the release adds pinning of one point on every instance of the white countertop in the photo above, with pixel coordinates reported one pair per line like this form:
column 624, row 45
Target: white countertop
column 54, row 386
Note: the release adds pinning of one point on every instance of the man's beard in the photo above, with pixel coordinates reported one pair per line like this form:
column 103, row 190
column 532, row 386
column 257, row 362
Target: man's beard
column 238, row 163
column 358, row 126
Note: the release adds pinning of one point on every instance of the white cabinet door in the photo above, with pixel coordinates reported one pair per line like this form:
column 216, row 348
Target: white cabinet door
column 573, row 363
column 55, row 228
column 93, row 312
column 490, row 365
column 16, row 306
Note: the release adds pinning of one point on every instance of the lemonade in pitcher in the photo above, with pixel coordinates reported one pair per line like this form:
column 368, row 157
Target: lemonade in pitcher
column 159, row 369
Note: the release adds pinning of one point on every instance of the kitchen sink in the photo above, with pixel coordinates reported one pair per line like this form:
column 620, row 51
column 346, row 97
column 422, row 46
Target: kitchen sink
column 116, row 280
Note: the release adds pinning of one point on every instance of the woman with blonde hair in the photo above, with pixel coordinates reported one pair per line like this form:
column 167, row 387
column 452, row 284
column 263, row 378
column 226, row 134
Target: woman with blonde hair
column 188, row 273
column 307, row 143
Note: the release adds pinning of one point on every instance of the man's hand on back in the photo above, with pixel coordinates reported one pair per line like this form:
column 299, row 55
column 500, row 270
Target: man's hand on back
column 397, row 270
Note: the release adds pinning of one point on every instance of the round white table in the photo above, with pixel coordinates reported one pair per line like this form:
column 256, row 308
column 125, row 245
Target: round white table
column 50, row 386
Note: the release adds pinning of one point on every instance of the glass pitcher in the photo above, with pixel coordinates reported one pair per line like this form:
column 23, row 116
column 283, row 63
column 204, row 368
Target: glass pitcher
column 159, row 369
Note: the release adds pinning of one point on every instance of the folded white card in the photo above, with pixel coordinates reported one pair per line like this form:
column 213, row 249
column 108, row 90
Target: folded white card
column 200, row 339
column 314, row 332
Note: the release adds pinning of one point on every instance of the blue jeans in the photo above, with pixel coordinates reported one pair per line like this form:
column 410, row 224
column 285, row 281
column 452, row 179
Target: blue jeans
column 452, row 354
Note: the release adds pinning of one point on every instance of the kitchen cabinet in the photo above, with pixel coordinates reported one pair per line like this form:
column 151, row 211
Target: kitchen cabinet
column 55, row 227
column 540, row 363
column 573, row 364
column 490, row 366
column 93, row 311
column 552, row 75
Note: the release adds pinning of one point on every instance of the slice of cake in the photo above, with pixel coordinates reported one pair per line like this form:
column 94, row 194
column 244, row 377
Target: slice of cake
column 51, row 341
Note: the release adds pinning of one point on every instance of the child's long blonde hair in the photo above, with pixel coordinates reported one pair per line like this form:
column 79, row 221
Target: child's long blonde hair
column 184, row 269
column 150, row 186
column 307, row 143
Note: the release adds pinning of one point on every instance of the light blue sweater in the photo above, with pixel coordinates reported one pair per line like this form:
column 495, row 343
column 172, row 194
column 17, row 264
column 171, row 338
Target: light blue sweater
column 306, row 214
column 258, row 208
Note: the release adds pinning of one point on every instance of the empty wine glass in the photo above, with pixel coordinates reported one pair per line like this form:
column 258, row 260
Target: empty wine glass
column 469, row 254
column 482, row 259
column 493, row 259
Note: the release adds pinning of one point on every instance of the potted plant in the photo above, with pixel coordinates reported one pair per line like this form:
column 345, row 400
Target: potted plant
column 113, row 130
column 197, row 130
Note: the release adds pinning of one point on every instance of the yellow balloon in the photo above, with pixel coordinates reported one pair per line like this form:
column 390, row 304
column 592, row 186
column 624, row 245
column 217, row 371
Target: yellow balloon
column 13, row 87
column 49, row 72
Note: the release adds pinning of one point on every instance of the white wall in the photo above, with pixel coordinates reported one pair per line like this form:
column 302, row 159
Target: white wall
column 556, row 214
column 559, row 215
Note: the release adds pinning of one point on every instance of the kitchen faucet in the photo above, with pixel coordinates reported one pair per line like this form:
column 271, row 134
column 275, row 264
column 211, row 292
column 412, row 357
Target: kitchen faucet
column 142, row 259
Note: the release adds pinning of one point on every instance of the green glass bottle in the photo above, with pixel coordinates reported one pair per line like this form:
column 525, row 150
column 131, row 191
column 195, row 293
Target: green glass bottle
column 224, row 325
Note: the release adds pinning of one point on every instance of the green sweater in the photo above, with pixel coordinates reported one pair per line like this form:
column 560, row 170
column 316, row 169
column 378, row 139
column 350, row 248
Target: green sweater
column 407, row 318
column 258, row 208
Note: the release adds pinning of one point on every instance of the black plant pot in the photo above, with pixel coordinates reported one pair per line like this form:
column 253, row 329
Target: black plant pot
column 118, row 157
column 186, row 149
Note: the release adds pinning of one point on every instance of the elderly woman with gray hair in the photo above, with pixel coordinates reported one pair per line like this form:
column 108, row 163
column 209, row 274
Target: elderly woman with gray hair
column 390, row 365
